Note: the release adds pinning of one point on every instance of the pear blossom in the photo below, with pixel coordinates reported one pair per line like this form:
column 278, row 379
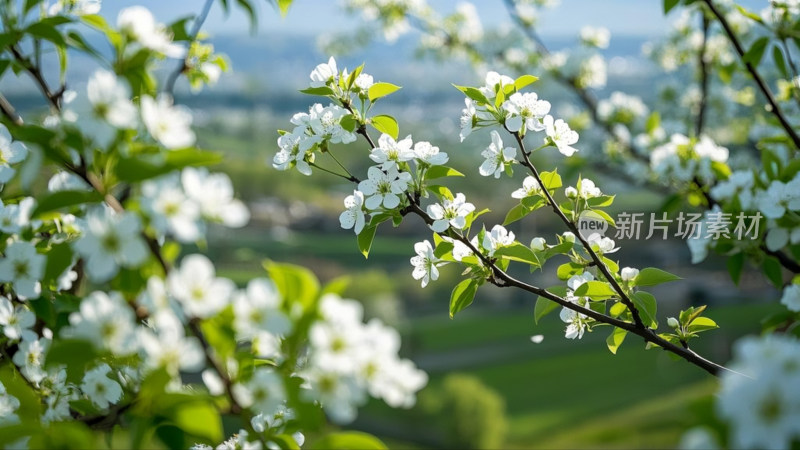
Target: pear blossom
column 8, row 407
column 338, row 394
column 601, row 244
column 496, row 238
column 30, row 357
column 778, row 198
column 325, row 122
column 353, row 216
column 450, row 213
column 138, row 24
column 538, row 244
column 16, row 321
column 390, row 153
column 621, row 107
column 170, row 209
column 588, row 189
column 344, row 312
column 425, row 263
column 15, row 217
column 384, row 188
column 324, row 74
column 167, row 123
column 167, row 346
column 525, row 112
column 291, row 154
column 111, row 241
column 334, row 345
column 425, row 153
column 363, row 82
column 196, row 287
column 11, row 152
column 468, row 118
column 497, row 157
column 739, row 185
column 790, row 297
column 59, row 394
column 66, row 181
column 595, row 36
column 560, row 135
column 495, row 81
column 778, row 237
column 105, row 320
column 110, row 99
column 264, row 392
column 530, row 187
column 100, row 389
column 629, row 273
column 213, row 193
column 258, row 309
column 592, row 73
column 23, row 266
column 576, row 323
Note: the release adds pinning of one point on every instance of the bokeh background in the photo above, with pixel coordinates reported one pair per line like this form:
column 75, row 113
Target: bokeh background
column 490, row 385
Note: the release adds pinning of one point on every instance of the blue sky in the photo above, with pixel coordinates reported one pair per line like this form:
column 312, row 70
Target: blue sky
column 640, row 17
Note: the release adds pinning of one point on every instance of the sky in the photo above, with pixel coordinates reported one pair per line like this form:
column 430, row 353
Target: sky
column 627, row 17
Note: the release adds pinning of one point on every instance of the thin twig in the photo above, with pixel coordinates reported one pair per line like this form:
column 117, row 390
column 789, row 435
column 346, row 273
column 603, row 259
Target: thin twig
column 702, row 67
column 775, row 109
column 169, row 86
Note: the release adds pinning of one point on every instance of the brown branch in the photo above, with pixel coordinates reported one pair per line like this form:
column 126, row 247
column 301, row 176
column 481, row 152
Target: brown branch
column 775, row 109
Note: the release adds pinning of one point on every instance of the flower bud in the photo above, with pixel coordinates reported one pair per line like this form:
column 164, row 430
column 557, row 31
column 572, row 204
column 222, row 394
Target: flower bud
column 538, row 244
column 673, row 322
column 629, row 273
column 568, row 236
column 571, row 192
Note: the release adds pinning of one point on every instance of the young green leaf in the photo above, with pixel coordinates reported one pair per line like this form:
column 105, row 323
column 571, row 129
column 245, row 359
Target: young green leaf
column 365, row 239
column 441, row 172
column 516, row 213
column 596, row 290
column 386, row 124
column 381, row 89
column 646, row 305
column 650, row 276
column 523, row 81
column 614, row 340
column 462, row 296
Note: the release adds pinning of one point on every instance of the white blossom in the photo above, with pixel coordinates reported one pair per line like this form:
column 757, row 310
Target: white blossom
column 497, row 157
column 353, row 216
column 171, row 211
column 258, row 309
column 595, row 36
column 11, row 152
column 530, row 187
column 213, row 192
column 538, row 244
column 601, row 244
column 105, row 320
column 169, row 124
column 16, row 320
column 138, row 23
column 790, row 297
column 326, row 123
column 264, row 392
column 390, row 153
column 15, row 217
column 74, row 7
column 429, row 154
column 30, row 358
column 195, row 285
column 384, row 188
column 23, row 266
column 560, row 135
column 8, row 407
column 110, row 241
column 496, row 238
column 100, row 389
column 110, row 99
column 450, row 213
column 525, row 111
column 592, row 72
column 629, row 273
column 167, row 346
column 324, row 73
column 291, row 154
column 425, row 263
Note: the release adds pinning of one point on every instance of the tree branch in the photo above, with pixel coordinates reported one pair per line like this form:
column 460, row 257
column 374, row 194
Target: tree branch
column 169, row 86
column 702, row 67
column 775, row 109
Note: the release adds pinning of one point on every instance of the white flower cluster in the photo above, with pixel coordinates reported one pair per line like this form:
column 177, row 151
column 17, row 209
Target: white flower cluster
column 11, row 152
column 180, row 204
column 392, row 14
column 758, row 397
column 595, row 36
column 621, row 107
column 683, row 159
column 576, row 322
column 349, row 359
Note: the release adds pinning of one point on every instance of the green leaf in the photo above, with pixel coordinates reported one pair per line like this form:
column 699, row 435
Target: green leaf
column 749, row 14
column 780, row 63
column 322, row 91
column 524, row 80
column 283, row 6
column 516, row 213
column 701, row 324
column 650, row 276
column 551, row 180
column 600, row 202
column 474, row 94
column 669, row 4
column 614, row 340
column 756, row 52
column 565, row 271
column 543, row 307
column 462, row 296
column 647, row 306
column 65, row 199
column 47, row 32
column 596, row 290
column 520, row 253
column 349, row 440
column 604, row 215
column 349, row 122
column 379, row 90
column 59, row 257
column 441, row 172
column 135, row 169
column 617, row 309
column 386, row 124
column 735, row 265
column 199, row 419
column 653, row 122
column 295, row 283
column 365, row 239
column 772, row 269
column 74, row 354
column 440, row 191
